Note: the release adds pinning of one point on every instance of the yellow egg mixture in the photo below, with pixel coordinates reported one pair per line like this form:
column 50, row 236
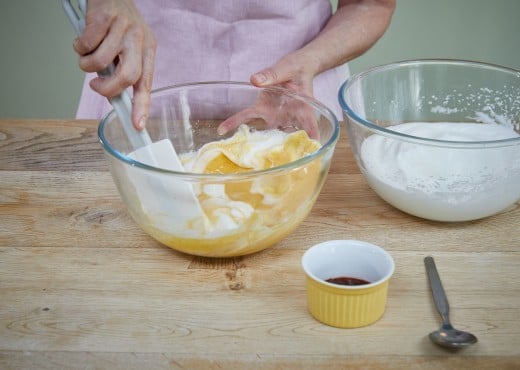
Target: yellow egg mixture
column 252, row 213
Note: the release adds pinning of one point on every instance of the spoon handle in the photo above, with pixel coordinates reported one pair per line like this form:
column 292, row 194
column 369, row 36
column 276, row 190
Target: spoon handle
column 439, row 295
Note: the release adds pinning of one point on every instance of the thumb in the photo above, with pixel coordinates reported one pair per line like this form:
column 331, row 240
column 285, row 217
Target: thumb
column 274, row 75
column 264, row 78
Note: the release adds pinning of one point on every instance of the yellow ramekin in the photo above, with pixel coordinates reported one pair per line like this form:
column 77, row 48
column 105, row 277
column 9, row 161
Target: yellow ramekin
column 340, row 305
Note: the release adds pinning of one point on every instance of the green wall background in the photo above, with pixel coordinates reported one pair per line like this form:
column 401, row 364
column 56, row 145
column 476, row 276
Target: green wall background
column 41, row 79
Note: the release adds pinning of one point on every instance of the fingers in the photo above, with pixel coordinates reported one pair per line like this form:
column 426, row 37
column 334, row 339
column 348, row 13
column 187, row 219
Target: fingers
column 98, row 21
column 236, row 120
column 102, row 54
column 290, row 72
column 116, row 34
column 143, row 87
column 292, row 68
column 127, row 71
column 268, row 77
column 263, row 78
column 309, row 124
column 128, row 48
column 284, row 70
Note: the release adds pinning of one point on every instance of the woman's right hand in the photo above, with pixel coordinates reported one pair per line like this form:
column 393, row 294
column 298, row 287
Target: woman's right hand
column 116, row 32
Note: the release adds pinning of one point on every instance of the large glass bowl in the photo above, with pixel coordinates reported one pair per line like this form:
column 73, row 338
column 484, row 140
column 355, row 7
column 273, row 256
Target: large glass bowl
column 263, row 206
column 437, row 138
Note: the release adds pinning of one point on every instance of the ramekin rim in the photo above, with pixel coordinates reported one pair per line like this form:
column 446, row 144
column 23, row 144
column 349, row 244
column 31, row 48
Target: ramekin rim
column 348, row 287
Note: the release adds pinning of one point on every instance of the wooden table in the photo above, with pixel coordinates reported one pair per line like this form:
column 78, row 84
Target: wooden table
column 81, row 286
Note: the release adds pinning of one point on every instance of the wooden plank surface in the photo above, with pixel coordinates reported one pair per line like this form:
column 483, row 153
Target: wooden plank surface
column 81, row 286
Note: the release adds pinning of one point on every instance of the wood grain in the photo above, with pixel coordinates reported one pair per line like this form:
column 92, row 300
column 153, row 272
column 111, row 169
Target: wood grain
column 49, row 145
column 81, row 286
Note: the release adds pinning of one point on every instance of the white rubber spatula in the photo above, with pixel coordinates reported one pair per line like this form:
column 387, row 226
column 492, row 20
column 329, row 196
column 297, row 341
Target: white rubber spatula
column 155, row 194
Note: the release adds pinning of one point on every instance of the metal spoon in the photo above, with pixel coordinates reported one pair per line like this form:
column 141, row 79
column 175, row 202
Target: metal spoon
column 447, row 336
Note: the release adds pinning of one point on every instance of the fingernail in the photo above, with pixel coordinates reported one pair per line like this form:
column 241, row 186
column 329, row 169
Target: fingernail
column 142, row 123
column 260, row 78
column 221, row 130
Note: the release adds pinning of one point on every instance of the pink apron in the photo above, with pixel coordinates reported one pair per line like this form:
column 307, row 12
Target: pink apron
column 227, row 40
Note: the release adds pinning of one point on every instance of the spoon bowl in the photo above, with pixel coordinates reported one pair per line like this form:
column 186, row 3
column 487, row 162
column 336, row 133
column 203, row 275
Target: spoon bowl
column 449, row 337
column 446, row 336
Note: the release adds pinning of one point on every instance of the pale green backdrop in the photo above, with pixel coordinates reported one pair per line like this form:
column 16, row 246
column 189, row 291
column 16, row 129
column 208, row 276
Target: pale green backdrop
column 40, row 77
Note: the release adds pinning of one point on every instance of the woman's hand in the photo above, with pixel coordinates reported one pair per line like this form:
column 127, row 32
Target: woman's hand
column 293, row 73
column 351, row 31
column 115, row 32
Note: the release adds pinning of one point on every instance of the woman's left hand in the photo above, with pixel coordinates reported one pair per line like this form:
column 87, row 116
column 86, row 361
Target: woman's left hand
column 293, row 72
column 352, row 30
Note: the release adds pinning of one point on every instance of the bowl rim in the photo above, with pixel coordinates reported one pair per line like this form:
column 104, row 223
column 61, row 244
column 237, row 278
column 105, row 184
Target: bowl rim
column 347, row 110
column 325, row 148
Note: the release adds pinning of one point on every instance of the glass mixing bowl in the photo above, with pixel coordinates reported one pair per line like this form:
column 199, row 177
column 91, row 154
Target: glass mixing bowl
column 241, row 212
column 437, row 139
